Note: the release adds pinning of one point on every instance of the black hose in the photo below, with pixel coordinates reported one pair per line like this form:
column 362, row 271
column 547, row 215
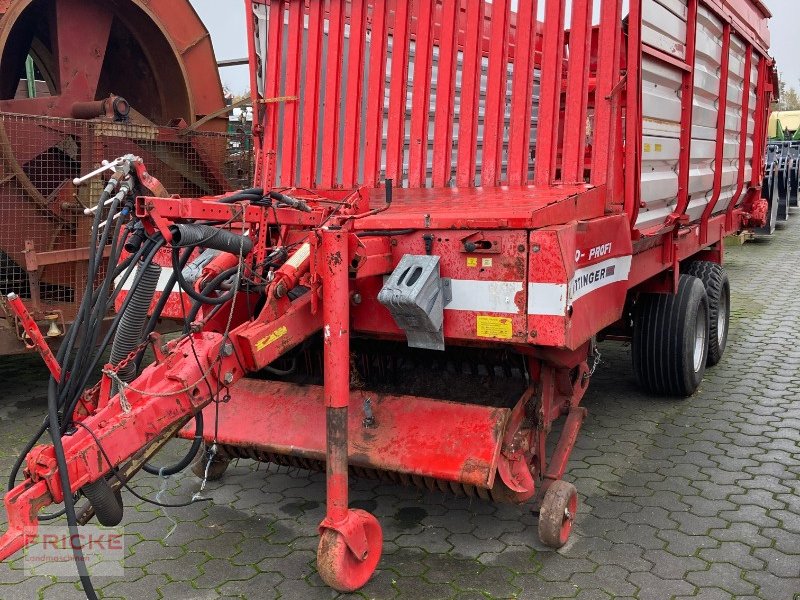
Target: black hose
column 248, row 194
column 79, row 383
column 207, row 289
column 186, row 460
column 66, row 487
column 189, row 288
column 106, row 503
column 190, row 234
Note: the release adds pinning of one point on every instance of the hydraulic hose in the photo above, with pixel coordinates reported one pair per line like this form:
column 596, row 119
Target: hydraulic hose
column 207, row 289
column 186, row 460
column 189, row 289
column 252, row 194
column 79, row 383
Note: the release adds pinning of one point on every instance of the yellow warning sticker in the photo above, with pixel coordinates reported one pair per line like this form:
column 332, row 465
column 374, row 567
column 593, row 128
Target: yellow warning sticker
column 472, row 261
column 494, row 327
column 486, row 262
column 658, row 147
column 272, row 337
column 647, row 147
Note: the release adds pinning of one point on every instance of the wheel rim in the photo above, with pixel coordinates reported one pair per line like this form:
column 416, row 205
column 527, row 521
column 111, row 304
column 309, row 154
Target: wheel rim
column 722, row 318
column 569, row 518
column 701, row 328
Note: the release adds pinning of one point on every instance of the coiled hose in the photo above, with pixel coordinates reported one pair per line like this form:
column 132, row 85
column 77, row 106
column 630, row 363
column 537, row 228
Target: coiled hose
column 190, row 234
column 129, row 331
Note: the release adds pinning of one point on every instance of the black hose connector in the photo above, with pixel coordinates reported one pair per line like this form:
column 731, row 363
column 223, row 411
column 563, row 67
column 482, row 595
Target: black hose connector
column 290, row 201
column 106, row 503
column 136, row 238
column 189, row 234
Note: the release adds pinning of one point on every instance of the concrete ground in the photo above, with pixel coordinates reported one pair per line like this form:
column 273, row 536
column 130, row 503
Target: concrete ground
column 697, row 498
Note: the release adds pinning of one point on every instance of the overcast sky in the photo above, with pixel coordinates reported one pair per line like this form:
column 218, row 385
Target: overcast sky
column 225, row 21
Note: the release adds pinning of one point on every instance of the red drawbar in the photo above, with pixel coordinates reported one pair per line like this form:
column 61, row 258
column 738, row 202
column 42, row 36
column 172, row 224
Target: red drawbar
column 407, row 435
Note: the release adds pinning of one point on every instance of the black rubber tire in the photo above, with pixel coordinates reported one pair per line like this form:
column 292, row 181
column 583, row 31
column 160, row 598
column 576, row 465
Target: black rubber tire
column 557, row 513
column 718, row 290
column 106, row 503
column 665, row 333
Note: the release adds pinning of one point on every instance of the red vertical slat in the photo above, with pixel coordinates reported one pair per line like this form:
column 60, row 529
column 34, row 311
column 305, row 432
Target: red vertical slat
column 355, row 76
column 746, row 84
column 687, row 106
column 470, row 88
column 580, row 41
column 376, row 88
column 272, row 86
column 445, row 95
column 421, row 96
column 398, row 89
column 633, row 114
column 719, row 151
column 761, row 119
column 550, row 103
column 254, row 92
column 521, row 94
column 290, row 112
column 333, row 84
column 609, row 50
column 308, row 148
column 494, row 120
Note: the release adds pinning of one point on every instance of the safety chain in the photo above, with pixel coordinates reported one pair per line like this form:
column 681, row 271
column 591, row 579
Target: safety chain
column 596, row 360
column 113, row 375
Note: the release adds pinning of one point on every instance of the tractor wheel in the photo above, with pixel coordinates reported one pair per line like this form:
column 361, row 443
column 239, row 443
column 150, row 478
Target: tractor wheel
column 718, row 290
column 794, row 180
column 338, row 566
column 670, row 334
column 557, row 513
column 216, row 469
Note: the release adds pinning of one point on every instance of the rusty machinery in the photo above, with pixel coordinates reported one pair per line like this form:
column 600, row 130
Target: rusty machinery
column 409, row 291
column 82, row 80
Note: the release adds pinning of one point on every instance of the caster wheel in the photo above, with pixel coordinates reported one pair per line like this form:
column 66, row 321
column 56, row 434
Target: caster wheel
column 336, row 563
column 557, row 513
column 216, row 469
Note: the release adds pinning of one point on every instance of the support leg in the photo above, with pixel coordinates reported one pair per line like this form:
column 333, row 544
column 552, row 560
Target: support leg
column 350, row 546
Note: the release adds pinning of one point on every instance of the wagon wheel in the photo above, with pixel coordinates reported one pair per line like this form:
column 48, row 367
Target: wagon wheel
column 338, row 566
column 557, row 513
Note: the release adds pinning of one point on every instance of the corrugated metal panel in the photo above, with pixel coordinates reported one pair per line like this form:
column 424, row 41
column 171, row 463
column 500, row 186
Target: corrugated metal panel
column 664, row 25
column 661, row 113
